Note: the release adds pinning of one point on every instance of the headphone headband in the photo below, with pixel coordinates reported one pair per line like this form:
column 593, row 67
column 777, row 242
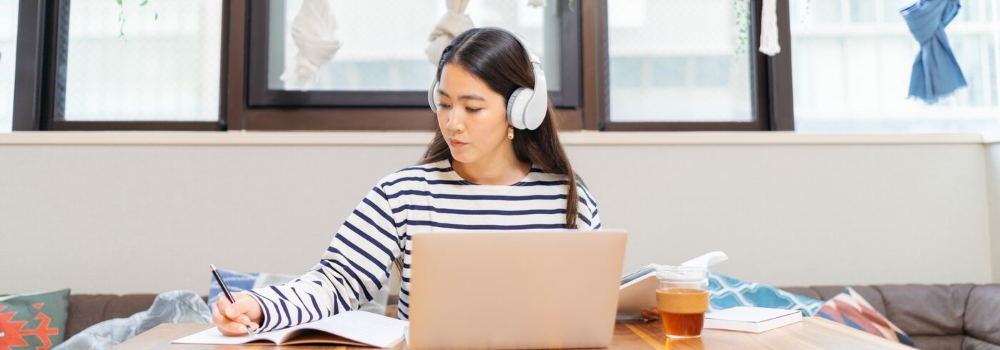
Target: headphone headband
column 526, row 107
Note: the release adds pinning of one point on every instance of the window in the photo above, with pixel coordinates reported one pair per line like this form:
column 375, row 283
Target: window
column 8, row 55
column 845, row 65
column 852, row 61
column 141, row 61
column 680, row 61
column 217, row 65
column 385, row 66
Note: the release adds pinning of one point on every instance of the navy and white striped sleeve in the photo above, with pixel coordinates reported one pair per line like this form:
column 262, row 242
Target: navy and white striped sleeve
column 588, row 212
column 353, row 268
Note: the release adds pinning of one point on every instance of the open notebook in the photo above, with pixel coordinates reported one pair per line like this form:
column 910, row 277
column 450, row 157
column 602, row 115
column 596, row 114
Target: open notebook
column 359, row 328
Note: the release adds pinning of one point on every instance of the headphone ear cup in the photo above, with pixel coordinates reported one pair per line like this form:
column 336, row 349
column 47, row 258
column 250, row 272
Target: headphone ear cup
column 432, row 96
column 516, row 105
column 537, row 103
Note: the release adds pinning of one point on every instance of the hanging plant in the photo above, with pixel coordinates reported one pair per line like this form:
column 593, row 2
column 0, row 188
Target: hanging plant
column 742, row 14
column 805, row 11
column 121, row 15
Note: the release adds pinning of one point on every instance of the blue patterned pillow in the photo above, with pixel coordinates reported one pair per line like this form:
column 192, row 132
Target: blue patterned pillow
column 726, row 292
column 243, row 281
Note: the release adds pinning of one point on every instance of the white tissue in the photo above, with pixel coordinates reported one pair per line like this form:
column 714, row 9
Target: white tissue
column 454, row 22
column 707, row 260
column 314, row 32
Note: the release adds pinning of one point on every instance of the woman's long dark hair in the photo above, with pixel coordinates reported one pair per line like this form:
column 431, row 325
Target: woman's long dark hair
column 497, row 58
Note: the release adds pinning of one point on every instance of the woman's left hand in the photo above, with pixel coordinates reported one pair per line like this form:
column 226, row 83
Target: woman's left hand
column 651, row 314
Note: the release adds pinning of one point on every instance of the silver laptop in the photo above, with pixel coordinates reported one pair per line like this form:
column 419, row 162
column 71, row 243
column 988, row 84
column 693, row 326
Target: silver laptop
column 514, row 290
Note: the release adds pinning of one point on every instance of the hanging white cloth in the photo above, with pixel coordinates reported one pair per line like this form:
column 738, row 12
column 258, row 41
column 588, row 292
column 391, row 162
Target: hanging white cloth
column 769, row 28
column 314, row 32
column 454, row 22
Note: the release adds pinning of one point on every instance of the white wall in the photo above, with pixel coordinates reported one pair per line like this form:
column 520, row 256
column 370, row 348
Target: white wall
column 138, row 217
column 993, row 187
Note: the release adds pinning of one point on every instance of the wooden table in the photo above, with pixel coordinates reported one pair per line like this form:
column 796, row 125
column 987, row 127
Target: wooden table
column 811, row 333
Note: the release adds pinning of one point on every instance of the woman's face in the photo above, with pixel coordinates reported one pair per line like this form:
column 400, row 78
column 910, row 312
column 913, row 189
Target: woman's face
column 472, row 118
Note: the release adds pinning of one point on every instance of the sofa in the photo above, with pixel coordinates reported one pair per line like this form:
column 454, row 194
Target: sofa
column 86, row 310
column 960, row 316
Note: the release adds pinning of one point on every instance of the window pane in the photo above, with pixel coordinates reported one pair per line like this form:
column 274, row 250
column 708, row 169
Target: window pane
column 852, row 61
column 165, row 66
column 678, row 60
column 374, row 56
column 8, row 44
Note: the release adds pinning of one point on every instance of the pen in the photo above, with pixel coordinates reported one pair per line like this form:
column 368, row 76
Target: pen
column 225, row 290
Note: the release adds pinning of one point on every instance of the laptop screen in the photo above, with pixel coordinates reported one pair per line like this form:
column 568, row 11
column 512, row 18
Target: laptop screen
column 506, row 290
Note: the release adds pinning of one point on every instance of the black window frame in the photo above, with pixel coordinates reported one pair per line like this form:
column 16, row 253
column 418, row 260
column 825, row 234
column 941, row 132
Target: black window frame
column 31, row 29
column 771, row 80
column 43, row 31
column 585, row 67
column 260, row 96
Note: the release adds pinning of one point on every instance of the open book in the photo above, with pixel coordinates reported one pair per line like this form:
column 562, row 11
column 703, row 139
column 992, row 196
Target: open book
column 751, row 319
column 637, row 292
column 358, row 328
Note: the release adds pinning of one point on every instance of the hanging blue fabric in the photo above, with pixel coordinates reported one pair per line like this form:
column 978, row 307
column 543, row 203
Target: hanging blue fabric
column 935, row 72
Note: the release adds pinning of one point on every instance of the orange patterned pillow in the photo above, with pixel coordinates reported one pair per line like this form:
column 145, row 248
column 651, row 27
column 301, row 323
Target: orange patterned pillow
column 33, row 321
column 850, row 309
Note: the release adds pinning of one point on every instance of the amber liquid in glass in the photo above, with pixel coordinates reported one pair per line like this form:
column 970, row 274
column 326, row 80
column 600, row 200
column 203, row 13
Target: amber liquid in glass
column 682, row 311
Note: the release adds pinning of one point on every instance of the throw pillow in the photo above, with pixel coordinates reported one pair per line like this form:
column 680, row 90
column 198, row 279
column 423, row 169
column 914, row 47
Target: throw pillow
column 726, row 292
column 33, row 321
column 851, row 309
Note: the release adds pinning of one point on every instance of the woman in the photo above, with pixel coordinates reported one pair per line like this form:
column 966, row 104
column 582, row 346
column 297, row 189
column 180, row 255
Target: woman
column 478, row 173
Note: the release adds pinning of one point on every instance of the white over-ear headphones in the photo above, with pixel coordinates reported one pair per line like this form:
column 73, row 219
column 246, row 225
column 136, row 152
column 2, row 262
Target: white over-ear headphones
column 526, row 107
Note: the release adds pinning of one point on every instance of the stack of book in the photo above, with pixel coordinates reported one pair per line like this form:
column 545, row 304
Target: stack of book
column 751, row 319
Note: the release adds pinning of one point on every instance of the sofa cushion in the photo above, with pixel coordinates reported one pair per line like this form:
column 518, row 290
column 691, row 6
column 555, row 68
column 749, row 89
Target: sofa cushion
column 982, row 317
column 87, row 310
column 908, row 305
column 872, row 295
column 33, row 321
column 803, row 291
column 977, row 344
column 726, row 292
column 177, row 306
column 851, row 309
column 938, row 342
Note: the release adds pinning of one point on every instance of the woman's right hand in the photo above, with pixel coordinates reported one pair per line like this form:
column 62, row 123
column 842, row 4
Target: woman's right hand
column 233, row 318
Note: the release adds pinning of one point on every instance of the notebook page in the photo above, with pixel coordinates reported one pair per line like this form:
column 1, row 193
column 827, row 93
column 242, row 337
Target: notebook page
column 213, row 336
column 362, row 326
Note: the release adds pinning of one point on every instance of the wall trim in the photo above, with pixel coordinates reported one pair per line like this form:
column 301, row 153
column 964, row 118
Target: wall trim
column 395, row 138
column 991, row 137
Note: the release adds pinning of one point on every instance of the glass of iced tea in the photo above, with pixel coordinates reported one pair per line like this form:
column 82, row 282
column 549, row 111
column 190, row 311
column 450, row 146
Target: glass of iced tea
column 682, row 299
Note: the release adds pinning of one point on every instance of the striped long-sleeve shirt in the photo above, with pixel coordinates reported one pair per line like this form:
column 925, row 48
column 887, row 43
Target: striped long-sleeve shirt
column 430, row 197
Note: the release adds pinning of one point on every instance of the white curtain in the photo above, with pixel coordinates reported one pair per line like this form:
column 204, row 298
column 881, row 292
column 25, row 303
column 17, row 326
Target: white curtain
column 769, row 29
column 314, row 32
column 453, row 22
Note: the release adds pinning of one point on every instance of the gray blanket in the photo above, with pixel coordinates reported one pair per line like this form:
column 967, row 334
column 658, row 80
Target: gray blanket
column 179, row 306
